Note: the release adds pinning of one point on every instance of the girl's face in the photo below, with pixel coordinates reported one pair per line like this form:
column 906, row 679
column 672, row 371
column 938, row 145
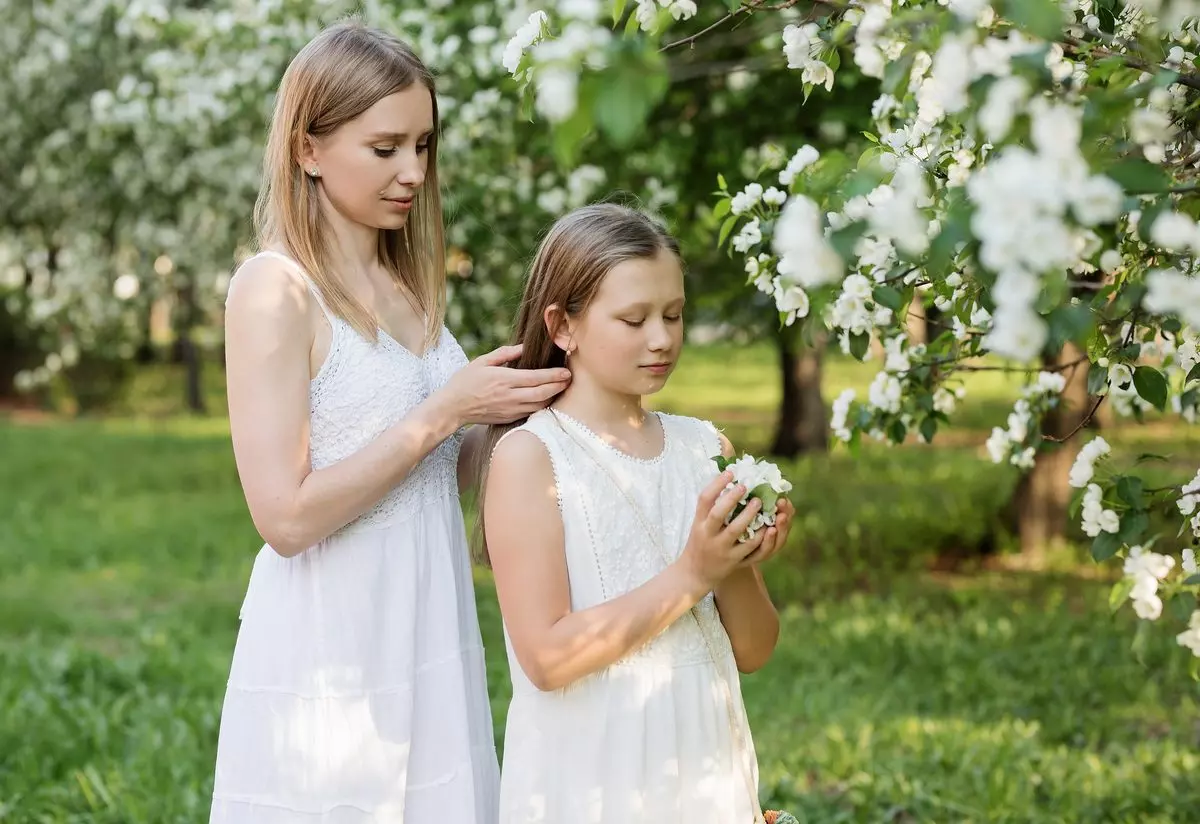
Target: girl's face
column 630, row 337
column 371, row 167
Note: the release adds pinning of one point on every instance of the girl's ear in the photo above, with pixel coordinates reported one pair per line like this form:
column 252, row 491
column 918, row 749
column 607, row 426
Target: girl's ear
column 558, row 326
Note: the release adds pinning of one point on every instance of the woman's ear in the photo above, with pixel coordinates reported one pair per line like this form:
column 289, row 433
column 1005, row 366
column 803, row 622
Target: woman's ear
column 558, row 326
column 307, row 157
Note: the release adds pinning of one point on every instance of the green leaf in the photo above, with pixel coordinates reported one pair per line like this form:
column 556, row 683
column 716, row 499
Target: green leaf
column 1192, row 580
column 1040, row 17
column 896, row 72
column 1150, row 456
column 625, row 98
column 721, row 182
column 721, row 209
column 1193, row 375
column 767, row 495
column 859, row 342
column 896, row 431
column 1129, row 490
column 1097, row 379
column 929, row 429
column 733, row 5
column 888, row 296
column 1139, row 177
column 726, row 228
column 1151, row 385
column 1133, row 526
column 618, row 7
column 1183, row 604
column 1105, row 546
column 845, row 239
column 1140, row 638
column 1119, row 592
column 1172, row 325
column 722, row 462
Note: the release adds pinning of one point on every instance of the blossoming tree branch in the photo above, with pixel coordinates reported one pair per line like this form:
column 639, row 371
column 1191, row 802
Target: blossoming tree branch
column 1032, row 172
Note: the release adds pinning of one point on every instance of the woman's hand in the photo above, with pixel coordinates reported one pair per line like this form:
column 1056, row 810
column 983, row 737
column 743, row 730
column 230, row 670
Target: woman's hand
column 485, row 391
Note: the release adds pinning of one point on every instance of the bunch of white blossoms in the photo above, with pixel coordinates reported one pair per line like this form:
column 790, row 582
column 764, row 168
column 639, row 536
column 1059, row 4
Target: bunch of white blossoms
column 763, row 481
column 1085, row 462
column 1189, row 503
column 1009, row 444
column 555, row 59
column 1146, row 569
column 647, row 11
column 802, row 46
column 1096, row 518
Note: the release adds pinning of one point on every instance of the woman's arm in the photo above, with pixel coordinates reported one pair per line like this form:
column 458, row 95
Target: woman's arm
column 524, row 531
column 745, row 606
column 268, row 333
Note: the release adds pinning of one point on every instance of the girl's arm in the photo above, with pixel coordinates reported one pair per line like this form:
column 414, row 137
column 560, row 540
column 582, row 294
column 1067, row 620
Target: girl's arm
column 745, row 606
column 524, row 531
column 268, row 334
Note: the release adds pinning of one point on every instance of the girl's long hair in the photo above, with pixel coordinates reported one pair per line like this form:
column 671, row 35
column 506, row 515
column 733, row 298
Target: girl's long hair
column 337, row 76
column 571, row 262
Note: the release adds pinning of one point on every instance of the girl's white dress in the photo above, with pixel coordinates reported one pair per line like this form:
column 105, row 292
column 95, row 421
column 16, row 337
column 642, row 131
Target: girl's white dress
column 649, row 739
column 357, row 691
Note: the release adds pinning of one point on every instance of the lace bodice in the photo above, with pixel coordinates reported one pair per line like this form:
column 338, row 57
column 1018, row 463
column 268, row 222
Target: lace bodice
column 607, row 549
column 361, row 390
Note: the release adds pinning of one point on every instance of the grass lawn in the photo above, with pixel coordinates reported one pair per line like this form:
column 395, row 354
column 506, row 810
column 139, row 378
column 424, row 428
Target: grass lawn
column 899, row 692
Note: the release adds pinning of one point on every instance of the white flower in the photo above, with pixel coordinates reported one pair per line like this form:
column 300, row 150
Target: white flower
column 1004, row 99
column 1142, row 562
column 556, row 93
column 885, row 393
column 683, row 9
column 1097, row 200
column 1189, row 562
column 1144, row 595
column 1173, row 230
column 1084, row 466
column 791, row 300
column 804, row 157
column 754, row 474
column 525, row 37
column 1016, row 333
column 1170, row 292
column 998, row 445
column 1110, row 261
column 746, row 199
column 818, row 74
column 805, row 256
column 774, row 197
column 1190, row 637
column 749, row 236
column 839, row 414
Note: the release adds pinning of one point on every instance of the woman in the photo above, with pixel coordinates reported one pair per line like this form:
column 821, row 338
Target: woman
column 357, row 691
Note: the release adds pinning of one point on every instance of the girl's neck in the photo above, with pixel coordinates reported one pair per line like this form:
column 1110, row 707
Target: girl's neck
column 601, row 409
column 355, row 246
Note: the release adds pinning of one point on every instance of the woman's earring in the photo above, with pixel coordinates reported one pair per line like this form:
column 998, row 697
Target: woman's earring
column 314, row 172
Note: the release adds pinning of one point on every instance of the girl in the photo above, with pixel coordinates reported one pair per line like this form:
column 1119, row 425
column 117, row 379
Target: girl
column 629, row 606
column 357, row 690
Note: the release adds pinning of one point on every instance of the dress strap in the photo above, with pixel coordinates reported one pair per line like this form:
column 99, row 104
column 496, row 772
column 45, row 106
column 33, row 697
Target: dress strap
column 298, row 270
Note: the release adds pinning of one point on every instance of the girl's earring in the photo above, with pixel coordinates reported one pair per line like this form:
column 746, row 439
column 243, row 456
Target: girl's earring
column 314, row 172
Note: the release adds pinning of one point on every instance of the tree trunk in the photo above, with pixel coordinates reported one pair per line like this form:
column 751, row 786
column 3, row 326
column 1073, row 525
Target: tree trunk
column 1043, row 496
column 189, row 353
column 802, row 426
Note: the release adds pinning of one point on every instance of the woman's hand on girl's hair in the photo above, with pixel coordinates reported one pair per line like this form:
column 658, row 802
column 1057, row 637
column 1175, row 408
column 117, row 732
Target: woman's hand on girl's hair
column 712, row 550
column 486, row 391
column 773, row 538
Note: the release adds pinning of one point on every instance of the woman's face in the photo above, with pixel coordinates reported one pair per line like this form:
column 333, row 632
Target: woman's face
column 371, row 168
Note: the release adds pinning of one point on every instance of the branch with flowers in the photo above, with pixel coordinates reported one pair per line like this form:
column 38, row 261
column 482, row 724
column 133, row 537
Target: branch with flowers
column 1029, row 173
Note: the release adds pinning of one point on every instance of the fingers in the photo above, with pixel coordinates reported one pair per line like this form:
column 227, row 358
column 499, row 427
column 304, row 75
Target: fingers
column 724, row 506
column 738, row 526
column 538, row 377
column 708, row 497
column 503, row 355
column 768, row 543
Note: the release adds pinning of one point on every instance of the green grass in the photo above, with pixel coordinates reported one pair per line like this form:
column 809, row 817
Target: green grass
column 897, row 693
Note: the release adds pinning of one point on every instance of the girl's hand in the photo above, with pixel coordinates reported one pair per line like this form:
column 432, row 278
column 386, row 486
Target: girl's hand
column 712, row 550
column 774, row 537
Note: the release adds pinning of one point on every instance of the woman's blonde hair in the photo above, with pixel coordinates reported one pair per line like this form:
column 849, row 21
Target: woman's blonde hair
column 579, row 250
column 338, row 75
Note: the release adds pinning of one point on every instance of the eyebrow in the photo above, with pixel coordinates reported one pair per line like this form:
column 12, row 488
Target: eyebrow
column 399, row 137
